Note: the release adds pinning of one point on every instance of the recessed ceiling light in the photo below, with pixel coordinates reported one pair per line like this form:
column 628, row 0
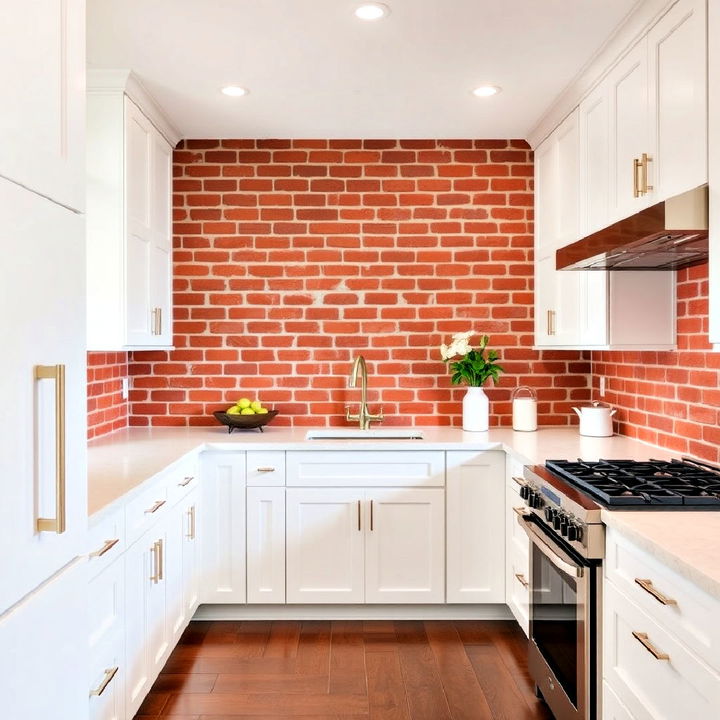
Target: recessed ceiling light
column 486, row 90
column 234, row 91
column 372, row 11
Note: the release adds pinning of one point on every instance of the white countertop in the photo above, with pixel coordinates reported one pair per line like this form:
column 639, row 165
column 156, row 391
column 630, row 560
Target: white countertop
column 689, row 542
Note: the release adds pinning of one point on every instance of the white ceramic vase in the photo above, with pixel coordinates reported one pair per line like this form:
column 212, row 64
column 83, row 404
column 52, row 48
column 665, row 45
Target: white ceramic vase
column 476, row 410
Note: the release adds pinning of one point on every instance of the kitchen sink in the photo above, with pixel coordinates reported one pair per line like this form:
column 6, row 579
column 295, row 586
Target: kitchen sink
column 372, row 434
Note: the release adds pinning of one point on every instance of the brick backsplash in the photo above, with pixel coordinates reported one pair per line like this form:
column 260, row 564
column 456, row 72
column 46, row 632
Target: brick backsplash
column 107, row 410
column 291, row 257
column 670, row 398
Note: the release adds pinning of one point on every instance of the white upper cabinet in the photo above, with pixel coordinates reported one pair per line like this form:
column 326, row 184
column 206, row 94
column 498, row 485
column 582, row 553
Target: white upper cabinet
column 42, row 123
column 677, row 48
column 129, row 266
column 714, row 168
column 594, row 128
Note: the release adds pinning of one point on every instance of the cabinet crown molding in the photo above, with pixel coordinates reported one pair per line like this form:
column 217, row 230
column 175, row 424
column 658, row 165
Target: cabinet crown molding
column 125, row 81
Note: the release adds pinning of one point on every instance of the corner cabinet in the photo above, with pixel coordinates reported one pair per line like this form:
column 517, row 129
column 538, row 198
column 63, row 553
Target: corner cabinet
column 129, row 266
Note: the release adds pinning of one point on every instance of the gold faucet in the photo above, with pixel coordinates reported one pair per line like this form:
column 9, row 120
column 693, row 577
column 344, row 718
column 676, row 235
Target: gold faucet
column 363, row 417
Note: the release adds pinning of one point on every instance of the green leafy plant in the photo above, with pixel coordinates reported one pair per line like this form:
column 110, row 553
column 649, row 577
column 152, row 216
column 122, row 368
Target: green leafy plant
column 475, row 365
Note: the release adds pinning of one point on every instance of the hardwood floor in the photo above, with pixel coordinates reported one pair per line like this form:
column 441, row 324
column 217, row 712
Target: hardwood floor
column 347, row 670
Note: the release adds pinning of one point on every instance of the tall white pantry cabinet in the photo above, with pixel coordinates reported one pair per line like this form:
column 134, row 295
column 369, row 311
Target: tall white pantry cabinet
column 42, row 322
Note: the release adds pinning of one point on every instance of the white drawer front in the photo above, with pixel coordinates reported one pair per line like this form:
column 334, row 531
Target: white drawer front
column 690, row 613
column 676, row 685
column 107, row 680
column 106, row 542
column 381, row 468
column 517, row 589
column 106, row 600
column 142, row 512
column 265, row 468
column 182, row 479
column 612, row 708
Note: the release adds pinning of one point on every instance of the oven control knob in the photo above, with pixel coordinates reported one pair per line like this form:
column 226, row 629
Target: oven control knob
column 549, row 514
column 564, row 527
column 557, row 520
column 539, row 502
column 572, row 532
column 524, row 492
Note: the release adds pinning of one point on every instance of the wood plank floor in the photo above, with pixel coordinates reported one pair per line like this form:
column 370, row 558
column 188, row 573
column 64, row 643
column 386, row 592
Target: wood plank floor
column 347, row 670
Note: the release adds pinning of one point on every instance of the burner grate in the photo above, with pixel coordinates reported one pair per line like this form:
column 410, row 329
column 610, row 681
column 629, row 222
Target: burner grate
column 644, row 484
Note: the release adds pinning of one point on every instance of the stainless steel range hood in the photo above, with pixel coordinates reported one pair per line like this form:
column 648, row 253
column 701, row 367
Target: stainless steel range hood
column 670, row 235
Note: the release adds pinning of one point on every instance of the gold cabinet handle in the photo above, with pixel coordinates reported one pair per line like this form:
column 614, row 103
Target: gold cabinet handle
column 186, row 481
column 520, row 481
column 110, row 673
column 648, row 587
column 372, row 513
column 107, row 546
column 644, row 164
column 157, row 321
column 550, row 322
column 155, row 577
column 158, row 504
column 56, row 373
column 191, row 523
column 521, row 511
column 159, row 317
column 161, row 560
column 153, row 329
column 642, row 638
column 265, row 469
column 521, row 579
column 636, row 183
column 359, row 516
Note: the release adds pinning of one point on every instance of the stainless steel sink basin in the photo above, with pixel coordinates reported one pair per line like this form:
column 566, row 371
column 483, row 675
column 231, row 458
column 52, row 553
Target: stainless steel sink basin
column 372, row 434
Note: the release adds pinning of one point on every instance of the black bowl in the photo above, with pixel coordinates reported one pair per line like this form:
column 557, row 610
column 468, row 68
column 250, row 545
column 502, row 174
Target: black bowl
column 244, row 422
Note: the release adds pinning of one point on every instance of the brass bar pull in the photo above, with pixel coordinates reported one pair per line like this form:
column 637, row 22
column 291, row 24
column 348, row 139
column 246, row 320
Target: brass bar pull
column 359, row 514
column 642, row 638
column 109, row 545
column 158, row 504
column 186, row 480
column 161, row 560
column 636, row 185
column 153, row 329
column 648, row 587
column 155, row 577
column 372, row 513
column 519, row 481
column 191, row 523
column 159, row 321
column 56, row 373
column 644, row 162
column 521, row 511
column 550, row 322
column 265, row 469
column 110, row 673
column 521, row 579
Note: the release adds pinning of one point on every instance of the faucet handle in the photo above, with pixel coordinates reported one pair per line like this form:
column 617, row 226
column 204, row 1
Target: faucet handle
column 377, row 418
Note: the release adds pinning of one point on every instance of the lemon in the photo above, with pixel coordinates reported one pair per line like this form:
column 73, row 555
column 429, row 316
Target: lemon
column 247, row 411
column 234, row 410
column 261, row 411
column 256, row 405
column 243, row 403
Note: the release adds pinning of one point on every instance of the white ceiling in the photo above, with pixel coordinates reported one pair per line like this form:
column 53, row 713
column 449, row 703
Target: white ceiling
column 314, row 70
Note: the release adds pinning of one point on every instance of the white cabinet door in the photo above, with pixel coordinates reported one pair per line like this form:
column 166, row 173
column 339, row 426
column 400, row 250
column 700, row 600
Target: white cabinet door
column 546, row 171
column 45, row 258
column 475, row 522
column 325, row 546
column 677, row 47
column 612, row 708
column 223, row 523
column 42, row 123
column 567, row 197
column 404, row 546
column 173, row 571
column 266, row 544
column 594, row 175
column 191, row 530
column 630, row 135
column 107, row 680
column 714, row 169
column 44, row 663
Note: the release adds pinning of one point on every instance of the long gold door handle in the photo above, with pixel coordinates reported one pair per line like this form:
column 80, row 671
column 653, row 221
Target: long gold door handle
column 56, row 373
column 648, row 587
column 642, row 638
column 155, row 577
column 186, row 481
column 359, row 516
column 107, row 546
column 153, row 322
column 110, row 673
column 156, row 506
column 159, row 316
column 521, row 579
column 372, row 513
column 636, row 183
column 550, row 322
column 265, row 469
column 161, row 560
column 191, row 523
column 644, row 163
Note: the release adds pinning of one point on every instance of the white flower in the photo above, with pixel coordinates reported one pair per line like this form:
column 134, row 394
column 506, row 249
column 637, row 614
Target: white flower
column 444, row 352
column 462, row 346
column 464, row 335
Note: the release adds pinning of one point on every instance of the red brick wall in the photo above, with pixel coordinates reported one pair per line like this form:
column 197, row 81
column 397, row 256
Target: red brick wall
column 291, row 257
column 107, row 411
column 670, row 398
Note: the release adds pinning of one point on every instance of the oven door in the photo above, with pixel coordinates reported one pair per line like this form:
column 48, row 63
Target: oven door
column 563, row 610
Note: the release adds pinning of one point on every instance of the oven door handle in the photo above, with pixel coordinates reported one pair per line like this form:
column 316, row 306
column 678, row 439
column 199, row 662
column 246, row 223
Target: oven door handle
column 546, row 549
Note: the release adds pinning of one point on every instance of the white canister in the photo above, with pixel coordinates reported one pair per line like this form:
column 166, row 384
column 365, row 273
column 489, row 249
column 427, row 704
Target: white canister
column 524, row 409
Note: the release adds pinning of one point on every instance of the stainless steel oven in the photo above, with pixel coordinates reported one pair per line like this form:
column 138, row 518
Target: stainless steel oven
column 565, row 594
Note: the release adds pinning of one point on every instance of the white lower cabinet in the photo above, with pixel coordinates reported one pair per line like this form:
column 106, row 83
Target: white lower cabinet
column 325, row 545
column 475, row 527
column 223, row 520
column 517, row 548
column 191, row 529
column 266, row 545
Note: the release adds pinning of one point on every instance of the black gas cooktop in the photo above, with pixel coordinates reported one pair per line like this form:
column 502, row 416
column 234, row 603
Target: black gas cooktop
column 644, row 485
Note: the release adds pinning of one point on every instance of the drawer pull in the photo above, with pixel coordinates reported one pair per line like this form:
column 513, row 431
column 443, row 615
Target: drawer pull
column 110, row 673
column 372, row 515
column 191, row 523
column 642, row 638
column 186, row 481
column 520, row 481
column 157, row 553
column 158, row 504
column 521, row 511
column 648, row 587
column 359, row 516
column 266, row 469
column 521, row 579
column 107, row 546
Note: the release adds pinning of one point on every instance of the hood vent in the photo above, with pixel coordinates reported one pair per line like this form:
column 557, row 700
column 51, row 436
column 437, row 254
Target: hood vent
column 667, row 236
